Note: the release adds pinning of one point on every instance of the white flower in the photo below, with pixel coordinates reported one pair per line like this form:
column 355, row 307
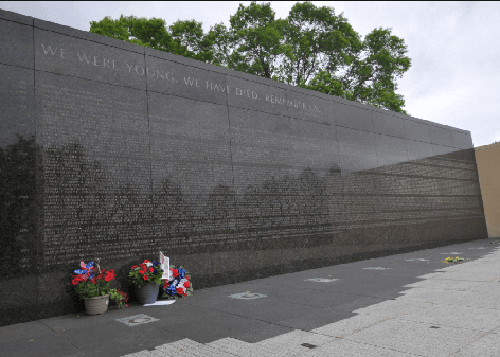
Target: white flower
column 149, row 264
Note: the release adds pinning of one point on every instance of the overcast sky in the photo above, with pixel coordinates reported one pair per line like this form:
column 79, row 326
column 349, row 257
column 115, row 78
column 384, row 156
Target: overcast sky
column 454, row 78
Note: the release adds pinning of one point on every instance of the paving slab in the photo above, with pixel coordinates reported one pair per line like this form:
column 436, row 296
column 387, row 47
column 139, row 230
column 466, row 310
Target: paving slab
column 237, row 347
column 427, row 295
column 485, row 346
column 268, row 310
column 445, row 285
column 294, row 343
column 393, row 308
column 223, row 325
column 28, row 330
column 463, row 276
column 415, row 337
column 263, row 332
column 349, row 326
column 107, row 338
column 41, row 346
column 187, row 347
column 492, row 287
column 472, row 298
column 181, row 312
column 346, row 348
column 471, row 317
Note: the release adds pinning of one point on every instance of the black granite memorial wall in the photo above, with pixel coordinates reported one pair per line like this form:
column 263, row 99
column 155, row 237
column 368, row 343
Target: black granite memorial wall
column 114, row 151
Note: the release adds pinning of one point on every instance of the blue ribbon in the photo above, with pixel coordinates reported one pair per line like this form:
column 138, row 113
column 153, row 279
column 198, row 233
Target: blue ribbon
column 171, row 290
column 182, row 273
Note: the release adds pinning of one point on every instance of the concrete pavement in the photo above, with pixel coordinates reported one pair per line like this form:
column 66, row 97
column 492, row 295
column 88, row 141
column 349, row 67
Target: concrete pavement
column 409, row 304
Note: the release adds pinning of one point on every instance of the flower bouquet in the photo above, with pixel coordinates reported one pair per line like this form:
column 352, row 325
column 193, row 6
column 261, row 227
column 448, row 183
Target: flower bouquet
column 454, row 260
column 179, row 284
column 92, row 285
column 147, row 279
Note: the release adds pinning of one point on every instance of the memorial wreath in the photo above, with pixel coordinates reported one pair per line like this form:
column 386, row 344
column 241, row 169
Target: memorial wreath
column 179, row 283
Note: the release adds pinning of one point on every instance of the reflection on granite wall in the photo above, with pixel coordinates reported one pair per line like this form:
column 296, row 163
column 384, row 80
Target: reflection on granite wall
column 113, row 151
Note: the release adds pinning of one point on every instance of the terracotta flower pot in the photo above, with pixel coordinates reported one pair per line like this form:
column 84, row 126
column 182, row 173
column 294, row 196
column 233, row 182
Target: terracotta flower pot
column 147, row 294
column 96, row 305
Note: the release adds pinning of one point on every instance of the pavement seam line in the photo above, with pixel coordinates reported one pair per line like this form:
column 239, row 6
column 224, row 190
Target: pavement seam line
column 64, row 338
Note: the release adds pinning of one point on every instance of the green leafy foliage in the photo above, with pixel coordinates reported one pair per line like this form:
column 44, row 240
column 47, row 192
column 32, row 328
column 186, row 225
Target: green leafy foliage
column 316, row 40
column 313, row 48
column 258, row 39
column 119, row 297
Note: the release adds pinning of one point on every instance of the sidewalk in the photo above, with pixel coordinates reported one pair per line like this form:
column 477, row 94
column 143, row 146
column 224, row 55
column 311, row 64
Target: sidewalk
column 408, row 304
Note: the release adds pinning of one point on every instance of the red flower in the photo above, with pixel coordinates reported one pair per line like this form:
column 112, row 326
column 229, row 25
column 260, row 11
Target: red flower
column 185, row 294
column 134, row 266
column 175, row 272
column 151, row 269
column 180, row 290
column 78, row 278
column 145, row 277
column 142, row 271
column 75, row 282
column 143, row 267
column 112, row 272
column 187, row 284
column 108, row 277
column 188, row 277
column 99, row 277
column 146, row 261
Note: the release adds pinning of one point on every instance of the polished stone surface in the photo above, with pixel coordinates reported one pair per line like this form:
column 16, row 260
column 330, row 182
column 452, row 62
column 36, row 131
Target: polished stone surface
column 16, row 48
column 114, row 151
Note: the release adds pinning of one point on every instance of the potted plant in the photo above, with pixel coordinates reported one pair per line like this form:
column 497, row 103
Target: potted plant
column 147, row 279
column 92, row 285
column 179, row 284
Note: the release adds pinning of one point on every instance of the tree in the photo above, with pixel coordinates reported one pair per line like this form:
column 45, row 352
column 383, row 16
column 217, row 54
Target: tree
column 317, row 40
column 223, row 44
column 258, row 39
column 372, row 77
column 184, row 38
column 312, row 48
column 190, row 40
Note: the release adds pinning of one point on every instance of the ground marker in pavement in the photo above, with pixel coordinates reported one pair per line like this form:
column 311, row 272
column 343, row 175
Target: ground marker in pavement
column 247, row 296
column 137, row 320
